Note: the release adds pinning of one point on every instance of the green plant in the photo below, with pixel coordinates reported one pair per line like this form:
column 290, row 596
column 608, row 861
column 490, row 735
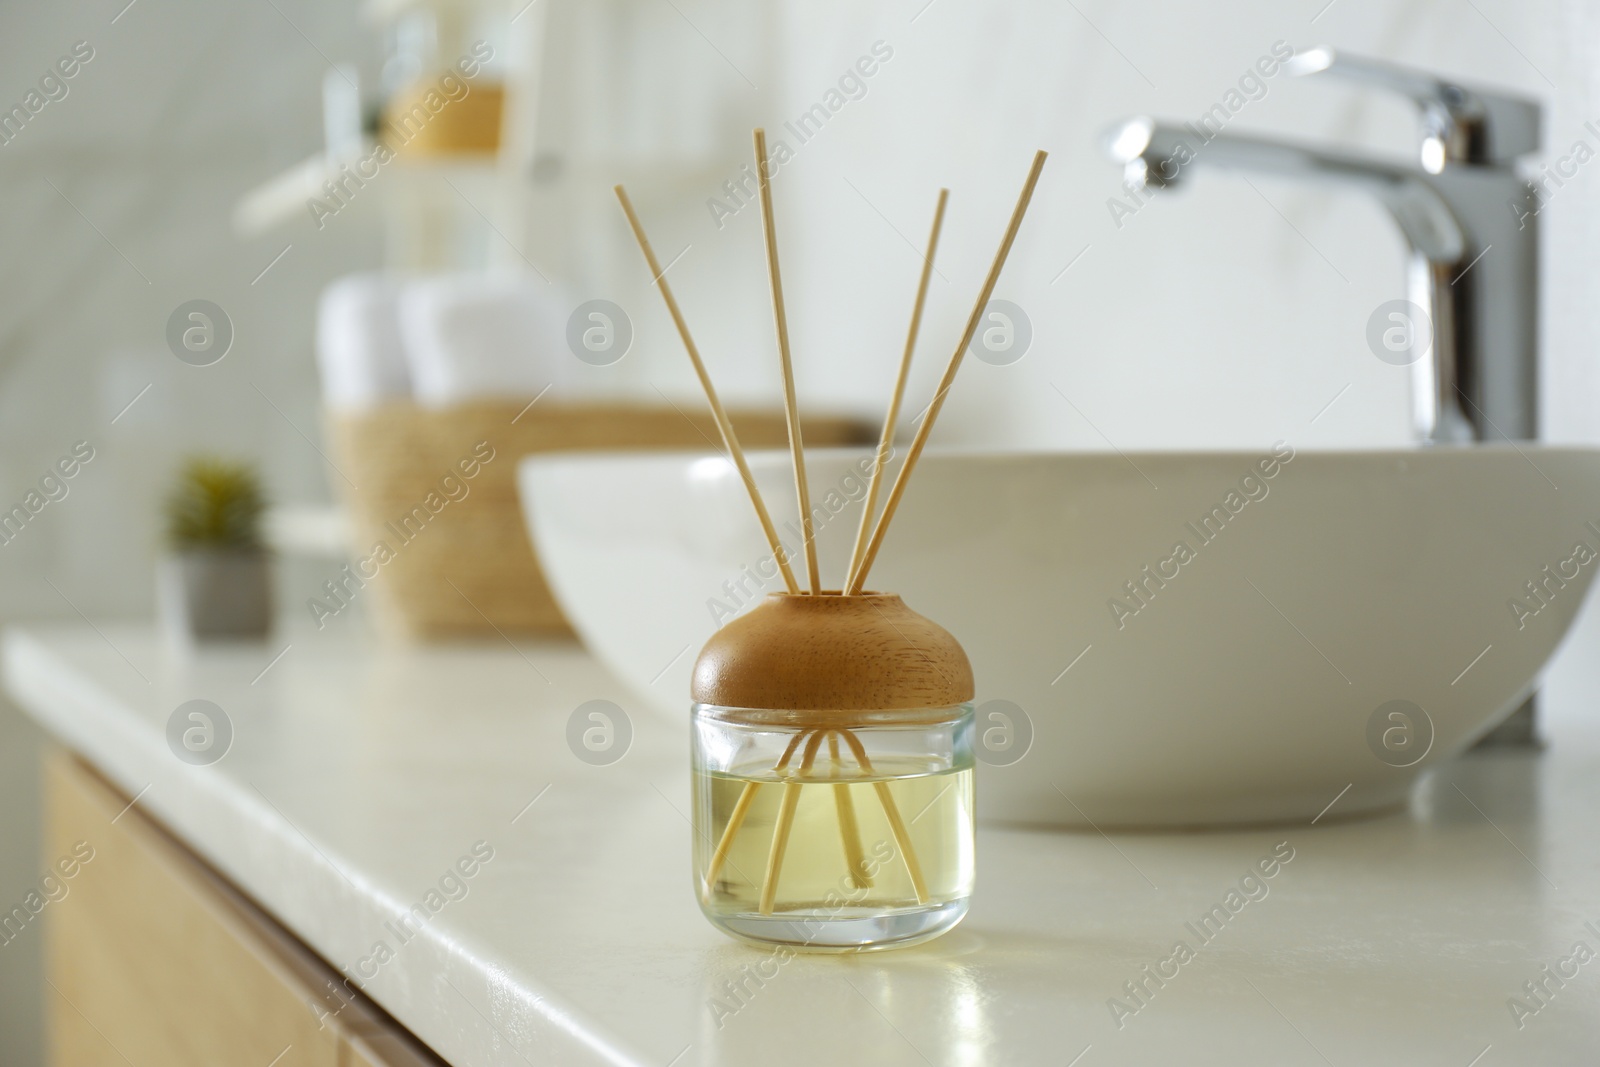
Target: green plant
column 216, row 503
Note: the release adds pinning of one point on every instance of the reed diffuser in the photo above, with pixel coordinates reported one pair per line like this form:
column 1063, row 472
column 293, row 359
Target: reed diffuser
column 832, row 728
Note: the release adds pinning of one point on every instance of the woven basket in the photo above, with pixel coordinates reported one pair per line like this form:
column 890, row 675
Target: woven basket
column 455, row 560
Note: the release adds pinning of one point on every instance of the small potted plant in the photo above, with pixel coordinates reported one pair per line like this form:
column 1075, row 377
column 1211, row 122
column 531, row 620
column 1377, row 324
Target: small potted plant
column 215, row 581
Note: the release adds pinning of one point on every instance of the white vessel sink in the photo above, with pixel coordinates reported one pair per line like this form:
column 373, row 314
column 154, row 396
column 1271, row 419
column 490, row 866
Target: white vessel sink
column 1252, row 679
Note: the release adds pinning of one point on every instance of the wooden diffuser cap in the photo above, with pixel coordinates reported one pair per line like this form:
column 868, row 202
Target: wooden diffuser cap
column 832, row 653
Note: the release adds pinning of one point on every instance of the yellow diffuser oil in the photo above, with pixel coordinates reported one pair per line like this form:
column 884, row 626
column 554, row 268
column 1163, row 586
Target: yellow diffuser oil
column 864, row 856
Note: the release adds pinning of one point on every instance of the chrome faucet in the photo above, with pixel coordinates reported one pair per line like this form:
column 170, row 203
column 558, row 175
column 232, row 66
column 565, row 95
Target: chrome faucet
column 1469, row 220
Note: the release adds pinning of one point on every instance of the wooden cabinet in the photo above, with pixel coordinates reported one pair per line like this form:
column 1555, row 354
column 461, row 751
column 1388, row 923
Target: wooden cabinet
column 152, row 958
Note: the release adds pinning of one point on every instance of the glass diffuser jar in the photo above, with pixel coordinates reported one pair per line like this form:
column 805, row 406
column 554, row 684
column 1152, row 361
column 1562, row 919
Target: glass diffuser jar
column 833, row 774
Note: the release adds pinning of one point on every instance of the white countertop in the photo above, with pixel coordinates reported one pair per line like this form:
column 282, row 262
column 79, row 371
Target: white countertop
column 359, row 774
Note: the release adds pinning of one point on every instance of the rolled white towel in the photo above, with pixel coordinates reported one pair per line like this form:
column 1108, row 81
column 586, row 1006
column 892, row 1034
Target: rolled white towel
column 473, row 336
column 359, row 352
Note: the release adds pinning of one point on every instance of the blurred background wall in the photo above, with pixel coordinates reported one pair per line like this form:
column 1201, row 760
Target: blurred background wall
column 1226, row 316
column 114, row 208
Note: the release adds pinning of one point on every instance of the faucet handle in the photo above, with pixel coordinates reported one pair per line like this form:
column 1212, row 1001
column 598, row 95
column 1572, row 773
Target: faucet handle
column 1461, row 125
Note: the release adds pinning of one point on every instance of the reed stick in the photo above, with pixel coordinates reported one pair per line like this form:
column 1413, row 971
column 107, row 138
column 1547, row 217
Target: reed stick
column 921, row 439
column 780, row 844
column 855, row 856
column 785, row 824
column 780, row 318
column 789, row 750
column 886, row 441
column 897, row 825
column 741, row 808
column 730, row 440
column 902, row 837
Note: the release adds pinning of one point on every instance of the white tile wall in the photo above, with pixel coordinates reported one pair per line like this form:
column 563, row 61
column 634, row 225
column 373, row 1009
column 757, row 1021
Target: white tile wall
column 1220, row 316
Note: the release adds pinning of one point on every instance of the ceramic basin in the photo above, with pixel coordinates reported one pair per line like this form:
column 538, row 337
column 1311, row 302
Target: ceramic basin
column 1158, row 639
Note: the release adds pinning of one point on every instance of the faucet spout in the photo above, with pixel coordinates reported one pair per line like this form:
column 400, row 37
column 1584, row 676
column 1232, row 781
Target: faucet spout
column 1470, row 344
column 1156, row 155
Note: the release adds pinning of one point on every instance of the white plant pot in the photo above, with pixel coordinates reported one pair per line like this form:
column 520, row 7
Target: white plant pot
column 215, row 594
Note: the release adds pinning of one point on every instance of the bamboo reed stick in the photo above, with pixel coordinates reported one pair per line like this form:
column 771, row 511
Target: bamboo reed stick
column 730, row 440
column 810, row 757
column 886, row 442
column 902, row 837
column 780, row 844
column 781, row 320
column 741, row 808
column 855, row 857
column 897, row 825
column 789, row 750
column 785, row 824
column 921, row 439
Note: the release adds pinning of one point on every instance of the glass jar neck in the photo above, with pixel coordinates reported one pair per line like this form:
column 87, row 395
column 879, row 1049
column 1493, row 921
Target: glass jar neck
column 849, row 719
